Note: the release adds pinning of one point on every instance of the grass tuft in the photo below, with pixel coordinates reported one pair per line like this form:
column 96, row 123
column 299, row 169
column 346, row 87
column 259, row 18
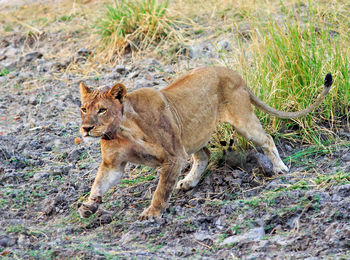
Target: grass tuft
column 135, row 25
column 290, row 60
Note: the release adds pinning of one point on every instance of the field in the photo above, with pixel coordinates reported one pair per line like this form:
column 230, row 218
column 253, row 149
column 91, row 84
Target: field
column 239, row 210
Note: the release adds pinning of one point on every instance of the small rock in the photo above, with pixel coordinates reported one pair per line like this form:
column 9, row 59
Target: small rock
column 220, row 222
column 343, row 191
column 45, row 67
column 120, row 69
column 4, row 43
column 202, row 235
column 83, row 52
column 4, row 241
column 228, row 209
column 80, row 59
column 141, row 83
column 234, row 159
column 32, row 56
column 40, row 175
column 134, row 74
column 33, row 100
column 346, row 157
column 112, row 76
column 255, row 159
column 76, row 154
column 288, row 148
column 265, row 163
column 272, row 185
column 254, row 234
column 65, row 169
column 237, row 174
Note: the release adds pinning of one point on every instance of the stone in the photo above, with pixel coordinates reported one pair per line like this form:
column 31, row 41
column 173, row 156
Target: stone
column 343, row 191
column 224, row 45
column 75, row 155
column 32, row 56
column 288, row 148
column 254, row 234
column 202, row 235
column 4, row 43
column 120, row 69
column 112, row 76
column 45, row 67
column 33, row 100
column 40, row 175
column 346, row 157
column 234, row 159
column 4, row 241
column 265, row 163
column 84, row 52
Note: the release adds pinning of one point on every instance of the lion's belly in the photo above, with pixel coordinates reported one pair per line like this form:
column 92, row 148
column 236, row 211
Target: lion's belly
column 197, row 136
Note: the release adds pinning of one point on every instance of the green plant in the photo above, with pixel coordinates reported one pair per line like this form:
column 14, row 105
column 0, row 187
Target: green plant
column 4, row 71
column 290, row 60
column 65, row 18
column 135, row 24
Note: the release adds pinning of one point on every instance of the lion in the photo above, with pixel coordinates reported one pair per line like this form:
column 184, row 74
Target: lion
column 163, row 127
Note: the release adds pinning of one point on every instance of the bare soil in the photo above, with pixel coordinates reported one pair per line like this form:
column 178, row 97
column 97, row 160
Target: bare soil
column 238, row 210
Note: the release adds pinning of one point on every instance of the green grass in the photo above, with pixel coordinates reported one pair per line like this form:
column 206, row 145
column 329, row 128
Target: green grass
column 287, row 69
column 4, row 72
column 314, row 151
column 135, row 24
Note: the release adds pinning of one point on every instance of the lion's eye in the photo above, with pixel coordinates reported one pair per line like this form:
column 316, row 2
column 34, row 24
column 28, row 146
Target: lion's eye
column 83, row 109
column 102, row 110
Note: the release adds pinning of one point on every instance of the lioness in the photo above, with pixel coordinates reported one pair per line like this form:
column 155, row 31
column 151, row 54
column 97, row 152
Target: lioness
column 162, row 127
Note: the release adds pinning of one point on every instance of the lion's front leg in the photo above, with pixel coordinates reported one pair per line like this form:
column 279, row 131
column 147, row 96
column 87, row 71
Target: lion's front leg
column 168, row 177
column 107, row 176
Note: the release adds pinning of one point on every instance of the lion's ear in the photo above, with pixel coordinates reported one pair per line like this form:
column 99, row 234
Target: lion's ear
column 118, row 91
column 84, row 90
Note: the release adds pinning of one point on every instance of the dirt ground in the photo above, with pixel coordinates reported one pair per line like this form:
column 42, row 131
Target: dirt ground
column 239, row 210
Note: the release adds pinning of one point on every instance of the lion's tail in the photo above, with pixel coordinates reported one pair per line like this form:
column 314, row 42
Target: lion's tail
column 328, row 81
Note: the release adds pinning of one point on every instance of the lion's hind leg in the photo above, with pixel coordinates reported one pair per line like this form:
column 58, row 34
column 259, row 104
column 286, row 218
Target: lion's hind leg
column 250, row 127
column 200, row 162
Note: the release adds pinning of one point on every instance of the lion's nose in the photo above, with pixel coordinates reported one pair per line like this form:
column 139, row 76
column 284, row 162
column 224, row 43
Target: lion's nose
column 87, row 128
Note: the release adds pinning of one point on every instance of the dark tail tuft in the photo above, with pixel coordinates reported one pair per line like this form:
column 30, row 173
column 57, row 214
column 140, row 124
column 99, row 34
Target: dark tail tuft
column 328, row 80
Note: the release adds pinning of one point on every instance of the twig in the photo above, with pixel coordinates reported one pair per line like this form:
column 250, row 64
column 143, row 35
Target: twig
column 207, row 246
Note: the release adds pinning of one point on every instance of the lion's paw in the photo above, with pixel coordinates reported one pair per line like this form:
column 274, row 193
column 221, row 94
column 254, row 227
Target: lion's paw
column 282, row 168
column 184, row 185
column 86, row 210
column 150, row 212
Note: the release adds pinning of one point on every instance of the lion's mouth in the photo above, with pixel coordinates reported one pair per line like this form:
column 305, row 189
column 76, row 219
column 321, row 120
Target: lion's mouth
column 88, row 135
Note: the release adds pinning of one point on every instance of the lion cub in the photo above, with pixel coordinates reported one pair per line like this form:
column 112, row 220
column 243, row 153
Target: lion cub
column 163, row 127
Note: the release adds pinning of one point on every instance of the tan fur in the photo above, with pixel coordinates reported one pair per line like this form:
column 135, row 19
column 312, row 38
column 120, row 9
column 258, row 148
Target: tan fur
column 162, row 128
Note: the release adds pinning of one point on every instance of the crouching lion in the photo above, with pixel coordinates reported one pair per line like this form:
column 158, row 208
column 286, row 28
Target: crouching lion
column 163, row 127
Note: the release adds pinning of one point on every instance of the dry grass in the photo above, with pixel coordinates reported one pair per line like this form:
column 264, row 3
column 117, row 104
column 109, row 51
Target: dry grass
column 136, row 25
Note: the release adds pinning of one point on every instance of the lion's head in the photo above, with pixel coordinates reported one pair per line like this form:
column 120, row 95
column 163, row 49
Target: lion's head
column 101, row 111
